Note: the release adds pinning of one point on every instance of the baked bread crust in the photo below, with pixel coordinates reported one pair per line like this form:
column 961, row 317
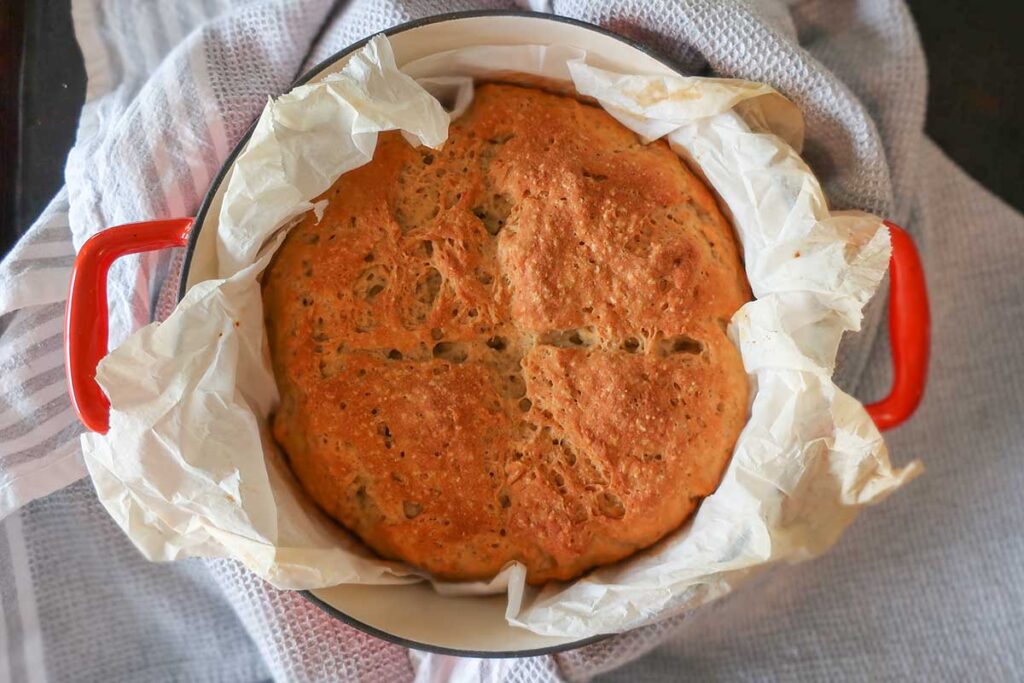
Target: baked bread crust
column 511, row 348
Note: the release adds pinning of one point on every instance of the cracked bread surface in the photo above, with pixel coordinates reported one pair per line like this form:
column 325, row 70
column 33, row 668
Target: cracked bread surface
column 513, row 347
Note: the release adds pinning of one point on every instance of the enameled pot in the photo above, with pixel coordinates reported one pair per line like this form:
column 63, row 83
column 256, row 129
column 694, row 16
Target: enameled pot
column 415, row 615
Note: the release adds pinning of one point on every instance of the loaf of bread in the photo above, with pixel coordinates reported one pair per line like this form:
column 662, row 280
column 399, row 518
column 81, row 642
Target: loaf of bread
column 513, row 347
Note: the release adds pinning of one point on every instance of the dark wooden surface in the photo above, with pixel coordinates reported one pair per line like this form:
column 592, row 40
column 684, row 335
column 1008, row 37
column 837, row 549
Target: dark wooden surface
column 49, row 89
column 975, row 53
column 975, row 105
column 11, row 22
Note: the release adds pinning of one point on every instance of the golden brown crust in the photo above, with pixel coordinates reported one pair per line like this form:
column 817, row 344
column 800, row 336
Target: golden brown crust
column 512, row 348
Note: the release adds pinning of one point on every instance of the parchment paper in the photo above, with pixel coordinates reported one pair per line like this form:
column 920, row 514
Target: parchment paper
column 188, row 469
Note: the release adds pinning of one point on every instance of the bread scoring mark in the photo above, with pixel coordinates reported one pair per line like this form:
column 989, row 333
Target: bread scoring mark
column 577, row 338
column 453, row 352
column 385, row 433
column 451, row 199
column 500, row 138
column 680, row 343
column 425, row 293
column 610, row 505
column 371, row 283
column 632, row 345
column 493, row 211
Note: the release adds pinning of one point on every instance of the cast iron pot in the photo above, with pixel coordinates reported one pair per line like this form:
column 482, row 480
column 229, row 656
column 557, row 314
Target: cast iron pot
column 415, row 615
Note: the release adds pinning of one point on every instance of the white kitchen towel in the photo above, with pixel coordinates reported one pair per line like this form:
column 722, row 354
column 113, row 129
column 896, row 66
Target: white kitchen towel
column 172, row 86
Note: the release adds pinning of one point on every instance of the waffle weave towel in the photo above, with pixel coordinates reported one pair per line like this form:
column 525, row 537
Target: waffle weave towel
column 928, row 585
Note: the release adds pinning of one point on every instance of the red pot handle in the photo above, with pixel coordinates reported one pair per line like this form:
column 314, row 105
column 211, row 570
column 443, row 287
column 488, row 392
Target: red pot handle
column 909, row 333
column 85, row 329
column 85, row 319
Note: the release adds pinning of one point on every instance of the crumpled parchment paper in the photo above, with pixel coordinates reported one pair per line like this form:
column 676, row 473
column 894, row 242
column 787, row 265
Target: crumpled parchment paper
column 188, row 467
